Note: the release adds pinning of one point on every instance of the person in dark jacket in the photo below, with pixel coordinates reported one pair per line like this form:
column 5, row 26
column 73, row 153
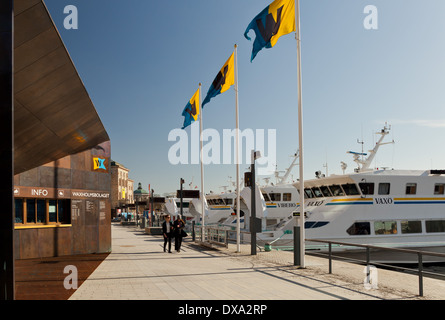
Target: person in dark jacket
column 167, row 230
column 178, row 226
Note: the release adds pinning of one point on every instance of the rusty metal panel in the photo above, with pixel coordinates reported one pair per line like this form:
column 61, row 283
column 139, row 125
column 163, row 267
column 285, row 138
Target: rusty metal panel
column 78, row 240
column 105, row 237
column 78, row 225
column 104, row 182
column 91, row 212
column 29, row 178
column 53, row 177
column 92, row 238
column 17, row 244
column 28, row 243
column 46, row 242
column 63, row 245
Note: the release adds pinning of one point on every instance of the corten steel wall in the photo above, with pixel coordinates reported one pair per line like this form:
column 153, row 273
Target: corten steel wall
column 73, row 177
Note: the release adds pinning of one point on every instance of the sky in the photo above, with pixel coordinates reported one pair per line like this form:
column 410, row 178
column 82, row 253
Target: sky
column 142, row 60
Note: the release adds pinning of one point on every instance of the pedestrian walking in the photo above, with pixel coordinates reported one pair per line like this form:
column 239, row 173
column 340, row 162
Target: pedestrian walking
column 178, row 226
column 167, row 230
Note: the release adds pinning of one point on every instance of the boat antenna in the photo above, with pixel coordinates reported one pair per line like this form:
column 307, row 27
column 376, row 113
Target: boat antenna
column 364, row 165
column 282, row 179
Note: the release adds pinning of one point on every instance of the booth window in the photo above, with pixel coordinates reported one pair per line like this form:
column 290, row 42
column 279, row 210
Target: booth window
column 18, row 205
column 42, row 211
column 30, row 211
column 64, row 211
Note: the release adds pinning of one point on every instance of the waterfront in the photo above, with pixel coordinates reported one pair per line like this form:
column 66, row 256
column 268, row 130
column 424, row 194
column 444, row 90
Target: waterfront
column 137, row 268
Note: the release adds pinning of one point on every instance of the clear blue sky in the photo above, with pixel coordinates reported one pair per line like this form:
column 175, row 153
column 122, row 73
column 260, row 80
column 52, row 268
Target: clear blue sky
column 142, row 60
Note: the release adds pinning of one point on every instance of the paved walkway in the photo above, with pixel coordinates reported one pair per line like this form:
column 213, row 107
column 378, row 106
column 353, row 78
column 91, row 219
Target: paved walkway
column 138, row 268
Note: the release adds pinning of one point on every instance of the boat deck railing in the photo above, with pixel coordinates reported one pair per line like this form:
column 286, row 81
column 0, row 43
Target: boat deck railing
column 212, row 235
column 222, row 236
column 368, row 248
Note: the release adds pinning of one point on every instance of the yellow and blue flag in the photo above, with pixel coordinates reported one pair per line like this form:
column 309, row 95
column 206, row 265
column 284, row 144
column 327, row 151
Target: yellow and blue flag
column 191, row 110
column 224, row 79
column 276, row 20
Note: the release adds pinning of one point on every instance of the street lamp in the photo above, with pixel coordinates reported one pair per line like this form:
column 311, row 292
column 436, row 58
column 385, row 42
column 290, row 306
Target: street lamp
column 253, row 221
column 152, row 214
column 181, row 182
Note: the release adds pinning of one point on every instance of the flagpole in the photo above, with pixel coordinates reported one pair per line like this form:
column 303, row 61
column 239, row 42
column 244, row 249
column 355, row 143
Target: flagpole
column 300, row 134
column 202, row 168
column 238, row 224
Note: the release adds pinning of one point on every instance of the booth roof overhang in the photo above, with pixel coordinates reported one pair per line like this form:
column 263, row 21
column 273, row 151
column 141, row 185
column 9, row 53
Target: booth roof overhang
column 53, row 113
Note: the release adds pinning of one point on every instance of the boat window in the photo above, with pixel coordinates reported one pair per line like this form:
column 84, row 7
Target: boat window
column 385, row 227
column 435, row 226
column 411, row 226
column 336, row 190
column 287, row 196
column 367, row 187
column 308, row 194
column 266, row 197
column 384, row 188
column 411, row 188
column 229, row 201
column 350, row 189
column 359, row 229
column 326, row 192
column 317, row 192
column 275, row 196
column 439, row 188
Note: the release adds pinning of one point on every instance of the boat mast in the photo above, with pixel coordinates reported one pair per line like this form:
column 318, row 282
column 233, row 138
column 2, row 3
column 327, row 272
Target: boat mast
column 283, row 179
column 365, row 164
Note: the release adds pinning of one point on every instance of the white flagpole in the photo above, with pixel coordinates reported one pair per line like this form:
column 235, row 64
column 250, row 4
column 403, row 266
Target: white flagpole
column 300, row 134
column 202, row 168
column 238, row 224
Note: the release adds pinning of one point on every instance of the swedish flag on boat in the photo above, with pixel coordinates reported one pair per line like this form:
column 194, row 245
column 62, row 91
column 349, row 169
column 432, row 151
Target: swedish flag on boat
column 276, row 20
column 224, row 79
column 191, row 110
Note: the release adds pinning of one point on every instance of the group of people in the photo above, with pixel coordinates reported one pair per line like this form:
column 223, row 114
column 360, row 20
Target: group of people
column 173, row 230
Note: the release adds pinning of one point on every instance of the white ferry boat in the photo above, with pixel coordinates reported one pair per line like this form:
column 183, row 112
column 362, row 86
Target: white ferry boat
column 173, row 207
column 275, row 202
column 388, row 208
column 219, row 207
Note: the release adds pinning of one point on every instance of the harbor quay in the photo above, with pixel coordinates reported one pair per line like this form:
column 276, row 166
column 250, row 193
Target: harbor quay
column 138, row 269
